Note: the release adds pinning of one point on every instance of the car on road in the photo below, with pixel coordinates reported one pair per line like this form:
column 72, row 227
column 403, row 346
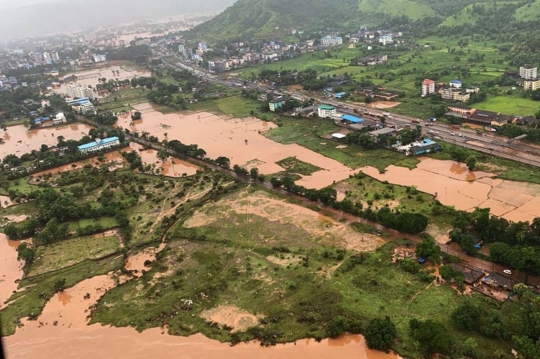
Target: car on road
column 431, row 132
column 507, row 271
column 460, row 134
column 452, row 133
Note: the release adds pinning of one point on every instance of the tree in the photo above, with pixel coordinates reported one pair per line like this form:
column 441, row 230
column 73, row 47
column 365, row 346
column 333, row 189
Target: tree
column 471, row 163
column 254, row 173
column 466, row 315
column 380, row 334
column 60, row 285
column 162, row 154
column 336, row 327
column 25, row 253
column 429, row 250
column 223, row 162
column 432, row 336
column 411, row 266
column 136, row 116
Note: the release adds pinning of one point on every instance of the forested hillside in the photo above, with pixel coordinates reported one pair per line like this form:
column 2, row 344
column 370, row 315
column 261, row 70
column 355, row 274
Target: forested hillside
column 274, row 18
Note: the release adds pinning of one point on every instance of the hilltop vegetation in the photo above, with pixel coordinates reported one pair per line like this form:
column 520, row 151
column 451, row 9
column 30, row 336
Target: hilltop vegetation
column 275, row 18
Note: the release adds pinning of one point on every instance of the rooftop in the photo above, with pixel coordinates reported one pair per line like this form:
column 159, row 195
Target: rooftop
column 99, row 142
column 352, row 118
column 428, row 82
column 327, row 107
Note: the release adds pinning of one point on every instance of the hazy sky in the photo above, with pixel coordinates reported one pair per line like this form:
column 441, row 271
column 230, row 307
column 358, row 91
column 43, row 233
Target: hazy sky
column 18, row 3
column 28, row 18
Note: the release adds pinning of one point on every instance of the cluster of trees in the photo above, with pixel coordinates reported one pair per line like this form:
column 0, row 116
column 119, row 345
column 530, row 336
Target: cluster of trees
column 406, row 222
column 56, row 209
column 45, row 158
column 309, row 79
column 12, row 105
column 138, row 54
column 516, row 244
column 514, row 130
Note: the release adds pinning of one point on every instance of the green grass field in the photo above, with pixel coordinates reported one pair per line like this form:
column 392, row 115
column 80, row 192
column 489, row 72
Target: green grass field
column 294, row 165
column 510, row 105
column 296, row 280
column 72, row 251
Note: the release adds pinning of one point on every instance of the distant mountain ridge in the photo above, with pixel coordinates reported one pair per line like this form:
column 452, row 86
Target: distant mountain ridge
column 268, row 18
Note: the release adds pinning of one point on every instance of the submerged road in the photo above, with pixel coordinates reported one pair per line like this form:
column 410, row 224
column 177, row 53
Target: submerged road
column 485, row 143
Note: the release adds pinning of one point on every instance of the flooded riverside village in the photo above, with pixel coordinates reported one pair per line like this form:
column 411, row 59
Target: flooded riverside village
column 282, row 190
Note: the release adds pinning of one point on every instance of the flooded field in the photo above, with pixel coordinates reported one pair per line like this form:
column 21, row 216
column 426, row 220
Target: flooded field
column 61, row 332
column 18, row 140
column 12, row 269
column 454, row 185
column 238, row 139
column 172, row 167
column 91, row 77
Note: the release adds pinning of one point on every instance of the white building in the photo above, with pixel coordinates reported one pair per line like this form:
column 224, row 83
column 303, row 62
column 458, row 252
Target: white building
column 182, row 50
column 75, row 91
column 455, row 84
column 59, row 119
column 528, row 72
column 428, row 87
column 329, row 40
column 45, row 103
column 99, row 58
column 326, row 111
column 47, row 58
column 54, row 56
column 386, row 40
column 99, row 144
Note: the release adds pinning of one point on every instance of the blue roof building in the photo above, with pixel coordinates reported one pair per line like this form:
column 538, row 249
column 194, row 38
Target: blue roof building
column 340, row 95
column 37, row 121
column 44, row 119
column 352, row 119
column 99, row 144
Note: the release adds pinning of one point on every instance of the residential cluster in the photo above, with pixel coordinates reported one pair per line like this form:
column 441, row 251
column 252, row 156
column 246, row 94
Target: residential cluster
column 451, row 91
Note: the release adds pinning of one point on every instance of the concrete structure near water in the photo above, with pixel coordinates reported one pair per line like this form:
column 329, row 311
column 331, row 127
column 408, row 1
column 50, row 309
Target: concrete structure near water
column 99, row 144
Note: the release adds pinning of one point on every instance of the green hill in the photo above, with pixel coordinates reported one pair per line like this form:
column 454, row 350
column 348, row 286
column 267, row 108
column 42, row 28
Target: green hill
column 275, row 18
column 529, row 12
column 411, row 9
column 480, row 10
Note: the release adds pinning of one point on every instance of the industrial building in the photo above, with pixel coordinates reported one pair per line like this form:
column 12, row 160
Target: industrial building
column 99, row 144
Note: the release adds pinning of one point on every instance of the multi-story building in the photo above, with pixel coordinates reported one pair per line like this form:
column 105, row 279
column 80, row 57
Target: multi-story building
column 75, row 91
column 330, row 40
column 531, row 85
column 182, row 50
column 203, row 46
column 453, row 94
column 55, row 57
column 47, row 58
column 428, row 87
column 326, row 111
column 528, row 72
column 99, row 58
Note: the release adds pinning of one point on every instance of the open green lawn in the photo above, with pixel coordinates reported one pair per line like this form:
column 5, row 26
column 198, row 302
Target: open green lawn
column 104, row 222
column 72, row 251
column 510, row 105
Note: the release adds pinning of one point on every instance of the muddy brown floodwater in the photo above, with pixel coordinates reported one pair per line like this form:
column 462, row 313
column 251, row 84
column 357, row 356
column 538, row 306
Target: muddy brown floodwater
column 11, row 268
column 239, row 139
column 454, row 185
column 61, row 332
column 18, row 140
column 92, row 77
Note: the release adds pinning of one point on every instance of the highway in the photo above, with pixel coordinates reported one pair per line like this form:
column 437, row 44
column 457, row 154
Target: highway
column 486, row 143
